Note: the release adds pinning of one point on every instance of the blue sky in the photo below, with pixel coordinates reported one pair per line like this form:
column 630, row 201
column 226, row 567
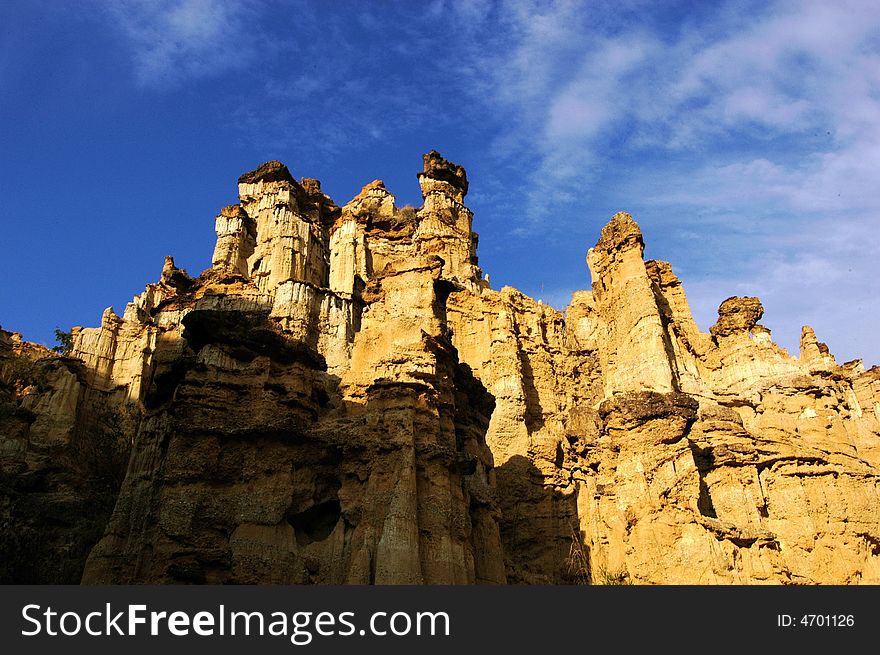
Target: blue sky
column 744, row 137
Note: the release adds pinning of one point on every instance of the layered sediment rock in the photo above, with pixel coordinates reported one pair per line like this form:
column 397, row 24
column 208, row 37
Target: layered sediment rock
column 342, row 398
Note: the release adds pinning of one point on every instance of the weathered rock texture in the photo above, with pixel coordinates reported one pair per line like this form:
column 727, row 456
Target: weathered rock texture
column 342, row 398
column 64, row 445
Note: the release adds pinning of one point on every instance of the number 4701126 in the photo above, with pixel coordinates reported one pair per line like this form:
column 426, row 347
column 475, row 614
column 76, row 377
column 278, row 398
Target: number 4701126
column 815, row 620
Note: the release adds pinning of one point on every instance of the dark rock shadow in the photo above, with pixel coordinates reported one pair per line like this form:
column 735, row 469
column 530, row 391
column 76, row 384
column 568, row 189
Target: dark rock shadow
column 56, row 497
column 539, row 528
column 534, row 415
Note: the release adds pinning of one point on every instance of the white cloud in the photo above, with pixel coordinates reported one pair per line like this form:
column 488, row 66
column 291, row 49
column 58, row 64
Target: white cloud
column 765, row 119
column 830, row 288
column 597, row 94
column 802, row 67
column 174, row 40
column 760, row 123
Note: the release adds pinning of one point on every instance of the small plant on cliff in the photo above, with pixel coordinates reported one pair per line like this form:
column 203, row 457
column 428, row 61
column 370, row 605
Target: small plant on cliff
column 578, row 560
column 22, row 370
column 607, row 577
column 64, row 341
column 407, row 214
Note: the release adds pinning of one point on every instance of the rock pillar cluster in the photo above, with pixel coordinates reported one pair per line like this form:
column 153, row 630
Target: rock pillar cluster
column 342, row 398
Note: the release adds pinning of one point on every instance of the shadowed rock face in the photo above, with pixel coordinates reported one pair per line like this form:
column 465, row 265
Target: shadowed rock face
column 342, row 398
column 64, row 446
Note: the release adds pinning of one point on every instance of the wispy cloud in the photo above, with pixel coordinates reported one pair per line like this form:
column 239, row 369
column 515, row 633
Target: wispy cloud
column 754, row 125
column 360, row 77
column 174, row 40
column 759, row 123
column 821, row 273
column 574, row 93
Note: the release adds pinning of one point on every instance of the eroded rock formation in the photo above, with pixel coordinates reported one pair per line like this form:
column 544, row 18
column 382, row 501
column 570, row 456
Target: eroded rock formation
column 342, row 398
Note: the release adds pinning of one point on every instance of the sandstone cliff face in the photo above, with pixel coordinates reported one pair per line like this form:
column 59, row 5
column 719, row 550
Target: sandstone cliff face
column 64, row 446
column 308, row 419
column 342, row 398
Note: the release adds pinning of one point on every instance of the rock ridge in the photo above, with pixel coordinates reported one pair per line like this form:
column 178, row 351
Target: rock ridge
column 342, row 398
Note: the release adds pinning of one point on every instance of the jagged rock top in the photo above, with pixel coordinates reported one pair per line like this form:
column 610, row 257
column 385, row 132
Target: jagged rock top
column 438, row 168
column 808, row 336
column 371, row 198
column 311, row 185
column 271, row 171
column 737, row 314
column 365, row 191
column 620, row 231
